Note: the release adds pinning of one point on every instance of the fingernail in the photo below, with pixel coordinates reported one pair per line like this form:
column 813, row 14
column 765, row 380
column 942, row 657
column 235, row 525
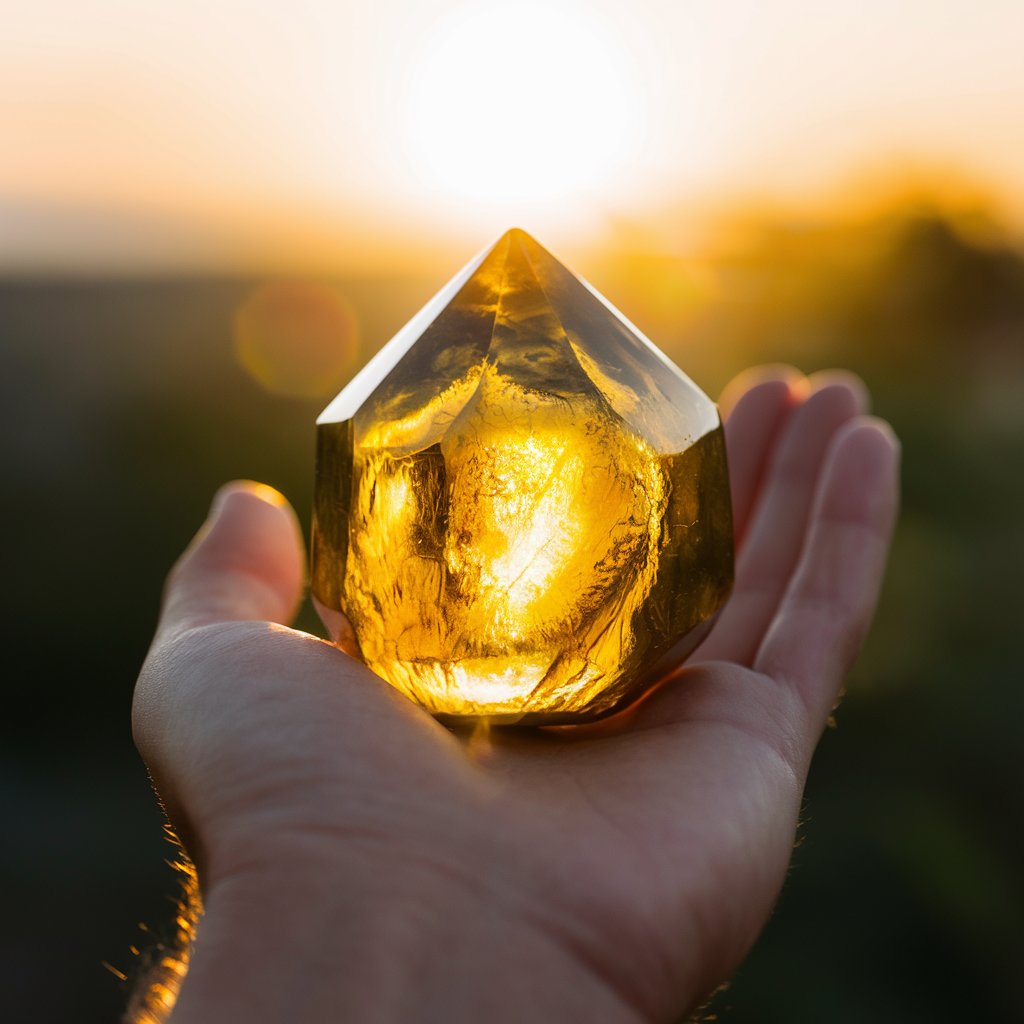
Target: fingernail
column 244, row 490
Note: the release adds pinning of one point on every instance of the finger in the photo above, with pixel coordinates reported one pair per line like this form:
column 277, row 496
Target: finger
column 821, row 622
column 245, row 563
column 755, row 405
column 779, row 517
column 747, row 380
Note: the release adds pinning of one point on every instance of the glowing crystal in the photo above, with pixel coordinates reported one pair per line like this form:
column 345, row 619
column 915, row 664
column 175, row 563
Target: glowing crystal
column 522, row 506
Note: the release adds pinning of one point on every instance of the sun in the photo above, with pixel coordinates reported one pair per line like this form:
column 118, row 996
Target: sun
column 520, row 106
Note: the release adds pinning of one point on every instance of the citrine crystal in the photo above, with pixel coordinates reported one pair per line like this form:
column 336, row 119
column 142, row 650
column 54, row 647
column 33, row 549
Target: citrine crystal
column 522, row 506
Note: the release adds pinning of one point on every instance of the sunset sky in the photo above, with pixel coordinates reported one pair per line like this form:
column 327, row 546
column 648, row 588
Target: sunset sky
column 211, row 133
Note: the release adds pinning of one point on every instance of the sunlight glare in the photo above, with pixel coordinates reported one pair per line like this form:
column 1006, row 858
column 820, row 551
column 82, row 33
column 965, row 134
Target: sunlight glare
column 520, row 104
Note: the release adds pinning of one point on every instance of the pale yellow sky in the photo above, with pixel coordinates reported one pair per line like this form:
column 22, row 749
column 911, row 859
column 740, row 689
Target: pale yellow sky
column 140, row 134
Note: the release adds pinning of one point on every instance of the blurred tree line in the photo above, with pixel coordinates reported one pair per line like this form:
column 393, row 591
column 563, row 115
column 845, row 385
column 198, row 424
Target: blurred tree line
column 124, row 407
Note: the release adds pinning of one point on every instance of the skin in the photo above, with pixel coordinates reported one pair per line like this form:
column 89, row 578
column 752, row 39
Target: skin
column 361, row 862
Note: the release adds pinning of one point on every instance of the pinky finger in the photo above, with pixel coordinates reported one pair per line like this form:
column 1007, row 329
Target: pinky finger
column 824, row 615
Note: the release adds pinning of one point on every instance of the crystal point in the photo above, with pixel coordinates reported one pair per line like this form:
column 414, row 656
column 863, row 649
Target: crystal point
column 522, row 506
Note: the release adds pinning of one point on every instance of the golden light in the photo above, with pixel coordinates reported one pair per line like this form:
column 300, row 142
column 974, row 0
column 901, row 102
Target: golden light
column 184, row 136
column 514, row 105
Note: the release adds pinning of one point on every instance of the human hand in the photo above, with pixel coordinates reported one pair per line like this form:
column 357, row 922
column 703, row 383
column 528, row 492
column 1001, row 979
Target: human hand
column 361, row 862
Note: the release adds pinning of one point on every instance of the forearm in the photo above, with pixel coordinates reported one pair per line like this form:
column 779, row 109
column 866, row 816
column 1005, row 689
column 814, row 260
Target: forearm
column 166, row 963
column 324, row 946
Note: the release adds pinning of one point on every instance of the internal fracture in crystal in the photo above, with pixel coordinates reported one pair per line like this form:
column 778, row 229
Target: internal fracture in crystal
column 522, row 506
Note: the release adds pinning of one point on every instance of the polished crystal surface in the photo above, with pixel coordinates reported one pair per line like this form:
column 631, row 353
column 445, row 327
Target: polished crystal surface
column 522, row 506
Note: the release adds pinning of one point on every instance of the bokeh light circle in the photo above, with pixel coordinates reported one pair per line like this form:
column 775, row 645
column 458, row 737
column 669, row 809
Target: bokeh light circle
column 297, row 338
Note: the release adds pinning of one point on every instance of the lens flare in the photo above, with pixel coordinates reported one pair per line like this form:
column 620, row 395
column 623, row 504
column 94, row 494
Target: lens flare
column 297, row 338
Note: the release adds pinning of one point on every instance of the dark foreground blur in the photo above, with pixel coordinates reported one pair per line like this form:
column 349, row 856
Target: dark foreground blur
column 124, row 407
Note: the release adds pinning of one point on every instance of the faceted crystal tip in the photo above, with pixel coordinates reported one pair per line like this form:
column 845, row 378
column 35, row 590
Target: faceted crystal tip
column 518, row 235
column 522, row 504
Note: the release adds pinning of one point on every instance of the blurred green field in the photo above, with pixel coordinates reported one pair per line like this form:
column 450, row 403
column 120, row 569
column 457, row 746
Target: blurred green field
column 124, row 408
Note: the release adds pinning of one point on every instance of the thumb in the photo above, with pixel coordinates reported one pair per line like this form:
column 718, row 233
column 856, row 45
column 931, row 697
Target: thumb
column 246, row 562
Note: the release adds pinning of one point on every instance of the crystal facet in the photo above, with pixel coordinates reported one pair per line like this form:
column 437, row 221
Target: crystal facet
column 522, row 506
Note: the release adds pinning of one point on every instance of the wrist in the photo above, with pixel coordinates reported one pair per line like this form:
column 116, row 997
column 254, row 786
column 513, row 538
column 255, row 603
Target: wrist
column 333, row 939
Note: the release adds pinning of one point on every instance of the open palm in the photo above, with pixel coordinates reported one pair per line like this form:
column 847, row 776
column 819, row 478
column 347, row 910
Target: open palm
column 362, row 862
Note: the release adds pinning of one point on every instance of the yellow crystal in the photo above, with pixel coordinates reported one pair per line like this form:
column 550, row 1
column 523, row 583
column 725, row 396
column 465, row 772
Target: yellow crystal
column 522, row 506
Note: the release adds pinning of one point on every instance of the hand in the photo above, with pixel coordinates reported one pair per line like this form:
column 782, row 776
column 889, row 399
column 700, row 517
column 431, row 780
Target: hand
column 361, row 862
